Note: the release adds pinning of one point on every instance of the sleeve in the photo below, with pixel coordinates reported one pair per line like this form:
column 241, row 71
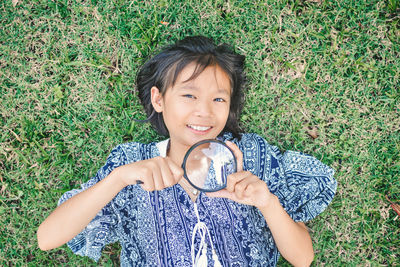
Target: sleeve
column 304, row 185
column 101, row 230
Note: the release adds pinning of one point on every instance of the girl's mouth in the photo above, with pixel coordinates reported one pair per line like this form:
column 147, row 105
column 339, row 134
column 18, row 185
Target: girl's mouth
column 199, row 129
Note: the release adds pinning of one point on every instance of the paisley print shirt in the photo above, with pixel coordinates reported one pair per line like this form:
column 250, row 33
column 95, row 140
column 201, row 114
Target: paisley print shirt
column 155, row 228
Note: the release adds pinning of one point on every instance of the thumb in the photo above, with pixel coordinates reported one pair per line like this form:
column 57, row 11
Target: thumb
column 238, row 154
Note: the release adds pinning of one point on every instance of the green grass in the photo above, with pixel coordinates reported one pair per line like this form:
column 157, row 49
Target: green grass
column 68, row 96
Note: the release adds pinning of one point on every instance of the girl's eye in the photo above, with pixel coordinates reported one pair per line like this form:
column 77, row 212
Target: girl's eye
column 189, row 96
column 219, row 99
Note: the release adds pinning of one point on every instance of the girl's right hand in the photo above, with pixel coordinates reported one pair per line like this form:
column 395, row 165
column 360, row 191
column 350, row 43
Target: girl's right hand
column 155, row 173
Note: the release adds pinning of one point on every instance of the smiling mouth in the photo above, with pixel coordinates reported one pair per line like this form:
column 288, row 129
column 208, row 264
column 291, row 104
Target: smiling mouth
column 199, row 128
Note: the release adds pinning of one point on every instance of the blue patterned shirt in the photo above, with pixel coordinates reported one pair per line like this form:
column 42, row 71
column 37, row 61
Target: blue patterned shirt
column 155, row 228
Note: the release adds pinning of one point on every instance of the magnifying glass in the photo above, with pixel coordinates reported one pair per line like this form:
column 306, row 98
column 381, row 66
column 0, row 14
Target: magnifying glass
column 207, row 164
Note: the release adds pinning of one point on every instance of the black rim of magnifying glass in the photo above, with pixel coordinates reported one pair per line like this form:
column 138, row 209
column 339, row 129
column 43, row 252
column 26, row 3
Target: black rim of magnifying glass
column 191, row 149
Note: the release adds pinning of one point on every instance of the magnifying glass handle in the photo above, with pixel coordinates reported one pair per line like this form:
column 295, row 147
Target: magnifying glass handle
column 139, row 182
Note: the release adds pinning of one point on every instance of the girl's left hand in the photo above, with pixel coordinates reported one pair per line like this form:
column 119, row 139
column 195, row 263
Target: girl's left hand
column 243, row 186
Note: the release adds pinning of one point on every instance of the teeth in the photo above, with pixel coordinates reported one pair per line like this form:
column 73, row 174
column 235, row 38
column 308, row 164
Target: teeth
column 199, row 128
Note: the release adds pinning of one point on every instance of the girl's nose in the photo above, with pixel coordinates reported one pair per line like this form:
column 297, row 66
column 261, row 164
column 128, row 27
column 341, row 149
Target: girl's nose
column 203, row 108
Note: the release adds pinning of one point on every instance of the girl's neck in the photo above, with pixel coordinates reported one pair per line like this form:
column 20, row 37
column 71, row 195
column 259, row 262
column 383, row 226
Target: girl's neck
column 176, row 152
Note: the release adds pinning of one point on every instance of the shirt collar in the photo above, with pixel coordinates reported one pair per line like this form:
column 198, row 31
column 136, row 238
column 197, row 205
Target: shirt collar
column 162, row 147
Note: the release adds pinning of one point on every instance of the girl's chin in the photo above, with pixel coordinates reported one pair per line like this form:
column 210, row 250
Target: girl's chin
column 187, row 143
column 192, row 138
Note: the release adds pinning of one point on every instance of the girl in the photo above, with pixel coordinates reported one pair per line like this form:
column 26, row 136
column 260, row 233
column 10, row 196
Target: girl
column 192, row 91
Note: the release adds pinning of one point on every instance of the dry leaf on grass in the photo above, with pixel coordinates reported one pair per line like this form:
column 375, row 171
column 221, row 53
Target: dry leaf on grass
column 313, row 132
column 3, row 188
column 14, row 3
column 395, row 207
column 16, row 136
column 96, row 14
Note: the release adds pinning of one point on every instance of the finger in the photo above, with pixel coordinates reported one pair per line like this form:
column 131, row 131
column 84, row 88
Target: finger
column 177, row 171
column 238, row 154
column 244, row 188
column 166, row 173
column 235, row 178
column 157, row 175
column 224, row 194
column 147, row 178
column 241, row 187
column 221, row 194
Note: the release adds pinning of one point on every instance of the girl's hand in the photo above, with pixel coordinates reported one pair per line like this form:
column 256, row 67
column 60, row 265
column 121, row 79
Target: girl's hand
column 292, row 239
column 156, row 173
column 243, row 186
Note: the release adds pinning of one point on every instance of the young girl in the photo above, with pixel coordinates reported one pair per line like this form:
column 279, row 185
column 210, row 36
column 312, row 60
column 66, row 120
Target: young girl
column 192, row 91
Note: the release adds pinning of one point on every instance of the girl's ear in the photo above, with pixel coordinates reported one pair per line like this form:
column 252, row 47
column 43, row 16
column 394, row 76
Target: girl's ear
column 156, row 99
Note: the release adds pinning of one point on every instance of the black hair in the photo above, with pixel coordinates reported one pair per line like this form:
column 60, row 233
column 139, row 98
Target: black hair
column 163, row 69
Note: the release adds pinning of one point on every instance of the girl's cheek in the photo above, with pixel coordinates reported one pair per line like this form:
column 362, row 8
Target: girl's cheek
column 224, row 110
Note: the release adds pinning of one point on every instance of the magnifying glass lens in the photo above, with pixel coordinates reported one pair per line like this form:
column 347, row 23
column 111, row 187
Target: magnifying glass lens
column 207, row 165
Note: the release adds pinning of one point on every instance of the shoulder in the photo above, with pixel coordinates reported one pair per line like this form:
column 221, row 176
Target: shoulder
column 257, row 152
column 132, row 151
column 244, row 138
column 251, row 144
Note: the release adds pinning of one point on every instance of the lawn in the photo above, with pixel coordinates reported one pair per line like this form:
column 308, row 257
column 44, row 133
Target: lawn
column 323, row 78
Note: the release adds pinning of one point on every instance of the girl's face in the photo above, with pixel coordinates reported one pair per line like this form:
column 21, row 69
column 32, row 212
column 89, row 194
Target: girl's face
column 197, row 109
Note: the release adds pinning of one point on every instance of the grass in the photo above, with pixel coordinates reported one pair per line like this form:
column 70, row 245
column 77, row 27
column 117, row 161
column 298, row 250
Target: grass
column 67, row 87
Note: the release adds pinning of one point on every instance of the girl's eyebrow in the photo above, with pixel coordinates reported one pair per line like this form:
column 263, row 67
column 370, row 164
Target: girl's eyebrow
column 195, row 88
